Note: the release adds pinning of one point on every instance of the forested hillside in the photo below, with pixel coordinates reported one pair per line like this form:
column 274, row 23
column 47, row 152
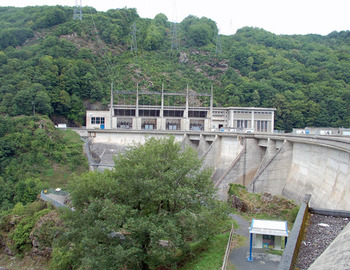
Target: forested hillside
column 35, row 155
column 64, row 66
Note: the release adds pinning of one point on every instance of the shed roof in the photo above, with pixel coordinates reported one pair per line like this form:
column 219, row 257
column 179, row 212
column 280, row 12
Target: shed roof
column 269, row 227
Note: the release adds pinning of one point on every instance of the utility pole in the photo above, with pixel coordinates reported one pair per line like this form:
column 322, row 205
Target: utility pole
column 78, row 10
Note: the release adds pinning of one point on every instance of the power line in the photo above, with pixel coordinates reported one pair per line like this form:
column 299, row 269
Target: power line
column 102, row 47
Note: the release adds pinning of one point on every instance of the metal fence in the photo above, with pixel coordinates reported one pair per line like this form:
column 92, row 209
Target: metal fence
column 55, row 196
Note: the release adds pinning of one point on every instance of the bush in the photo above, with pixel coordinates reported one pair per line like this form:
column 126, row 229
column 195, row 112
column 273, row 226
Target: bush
column 20, row 236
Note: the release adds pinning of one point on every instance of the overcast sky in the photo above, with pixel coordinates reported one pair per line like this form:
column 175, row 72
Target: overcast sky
column 276, row 16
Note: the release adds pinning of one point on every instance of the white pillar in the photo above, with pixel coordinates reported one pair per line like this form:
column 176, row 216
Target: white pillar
column 137, row 101
column 162, row 127
column 211, row 106
column 111, row 110
column 272, row 121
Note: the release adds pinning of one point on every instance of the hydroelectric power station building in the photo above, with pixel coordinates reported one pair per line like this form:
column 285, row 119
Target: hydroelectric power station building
column 145, row 110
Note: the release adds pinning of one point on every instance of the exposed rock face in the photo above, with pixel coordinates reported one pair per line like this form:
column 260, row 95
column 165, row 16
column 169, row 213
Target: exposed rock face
column 45, row 231
column 183, row 57
column 239, row 204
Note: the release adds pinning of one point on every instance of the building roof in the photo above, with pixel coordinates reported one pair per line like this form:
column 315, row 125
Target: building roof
column 269, row 227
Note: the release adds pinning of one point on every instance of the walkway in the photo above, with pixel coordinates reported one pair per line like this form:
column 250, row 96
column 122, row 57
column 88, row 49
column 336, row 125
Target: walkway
column 261, row 259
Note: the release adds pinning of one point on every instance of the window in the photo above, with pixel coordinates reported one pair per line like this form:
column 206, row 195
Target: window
column 98, row 120
column 242, row 123
column 261, row 126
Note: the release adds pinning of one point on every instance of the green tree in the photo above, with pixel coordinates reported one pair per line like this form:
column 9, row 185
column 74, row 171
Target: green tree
column 23, row 103
column 199, row 34
column 138, row 216
column 42, row 103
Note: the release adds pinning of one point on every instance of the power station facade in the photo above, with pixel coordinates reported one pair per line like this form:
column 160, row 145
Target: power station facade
column 177, row 111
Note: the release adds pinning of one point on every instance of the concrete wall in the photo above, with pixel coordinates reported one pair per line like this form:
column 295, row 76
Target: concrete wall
column 275, row 167
column 279, row 164
column 238, row 162
column 322, row 172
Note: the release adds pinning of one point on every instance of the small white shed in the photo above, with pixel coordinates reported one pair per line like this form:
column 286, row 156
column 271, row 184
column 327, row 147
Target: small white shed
column 267, row 234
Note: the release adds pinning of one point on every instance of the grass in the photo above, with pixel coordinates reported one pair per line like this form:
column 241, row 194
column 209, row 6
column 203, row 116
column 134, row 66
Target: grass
column 23, row 262
column 275, row 252
column 208, row 256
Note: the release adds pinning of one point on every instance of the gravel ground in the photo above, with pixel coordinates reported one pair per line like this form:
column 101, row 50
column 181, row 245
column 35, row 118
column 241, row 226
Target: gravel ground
column 322, row 230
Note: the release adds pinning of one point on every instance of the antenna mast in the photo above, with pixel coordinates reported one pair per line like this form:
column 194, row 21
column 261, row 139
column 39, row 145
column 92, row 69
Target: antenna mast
column 78, row 10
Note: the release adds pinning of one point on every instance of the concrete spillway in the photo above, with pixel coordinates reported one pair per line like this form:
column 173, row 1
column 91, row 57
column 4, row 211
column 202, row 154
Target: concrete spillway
column 290, row 165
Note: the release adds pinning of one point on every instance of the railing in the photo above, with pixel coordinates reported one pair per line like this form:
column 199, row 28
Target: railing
column 56, row 197
column 228, row 249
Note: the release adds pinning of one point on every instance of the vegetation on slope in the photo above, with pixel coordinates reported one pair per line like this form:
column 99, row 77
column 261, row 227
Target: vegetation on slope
column 35, row 155
column 264, row 206
column 64, row 66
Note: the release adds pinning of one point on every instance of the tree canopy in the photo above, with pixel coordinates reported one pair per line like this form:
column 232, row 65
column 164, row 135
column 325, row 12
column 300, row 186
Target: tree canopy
column 155, row 202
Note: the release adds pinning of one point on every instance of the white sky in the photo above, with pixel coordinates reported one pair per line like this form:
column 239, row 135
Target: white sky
column 276, row 16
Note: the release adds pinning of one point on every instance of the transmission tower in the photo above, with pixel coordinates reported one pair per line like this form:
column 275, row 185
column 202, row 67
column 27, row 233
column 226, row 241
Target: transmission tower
column 78, row 10
column 174, row 41
column 133, row 38
column 218, row 44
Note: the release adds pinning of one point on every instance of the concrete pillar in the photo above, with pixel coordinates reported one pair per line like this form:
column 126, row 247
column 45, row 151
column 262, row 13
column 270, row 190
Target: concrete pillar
column 161, row 114
column 162, row 103
column 252, row 124
column 278, row 240
column 272, row 121
column 111, row 110
column 231, row 118
column 211, row 106
column 137, row 101
column 186, row 110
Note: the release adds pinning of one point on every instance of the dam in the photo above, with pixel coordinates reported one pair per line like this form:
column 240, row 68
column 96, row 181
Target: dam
column 281, row 164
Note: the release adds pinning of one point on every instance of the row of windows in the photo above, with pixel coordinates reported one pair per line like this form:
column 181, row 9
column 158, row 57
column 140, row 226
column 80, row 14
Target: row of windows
column 218, row 112
column 98, row 120
column 261, row 125
column 249, row 112
column 263, row 112
column 242, row 112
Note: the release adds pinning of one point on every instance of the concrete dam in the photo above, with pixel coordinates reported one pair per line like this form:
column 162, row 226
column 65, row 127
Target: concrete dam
column 280, row 164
